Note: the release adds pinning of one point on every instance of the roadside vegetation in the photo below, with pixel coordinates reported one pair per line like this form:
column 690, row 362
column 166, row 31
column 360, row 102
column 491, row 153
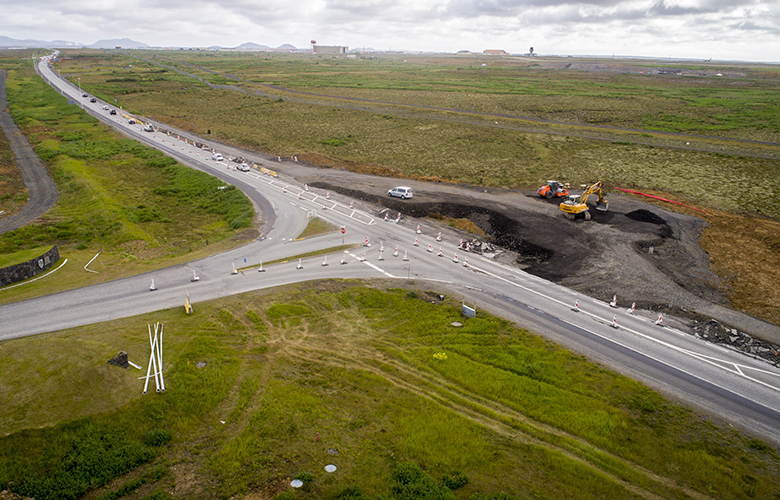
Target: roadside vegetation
column 266, row 387
column 384, row 115
column 141, row 209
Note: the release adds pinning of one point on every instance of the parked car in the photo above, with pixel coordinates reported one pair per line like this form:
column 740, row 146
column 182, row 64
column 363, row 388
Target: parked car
column 402, row 192
column 131, row 121
column 148, row 128
column 216, row 157
column 243, row 167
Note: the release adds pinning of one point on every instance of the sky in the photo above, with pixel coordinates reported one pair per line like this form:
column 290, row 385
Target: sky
column 745, row 30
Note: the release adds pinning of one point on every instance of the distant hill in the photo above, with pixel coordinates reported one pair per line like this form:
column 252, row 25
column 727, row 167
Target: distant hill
column 252, row 46
column 7, row 42
column 286, row 46
column 125, row 43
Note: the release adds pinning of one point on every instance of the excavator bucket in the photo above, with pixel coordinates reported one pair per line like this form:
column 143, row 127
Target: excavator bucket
column 602, row 206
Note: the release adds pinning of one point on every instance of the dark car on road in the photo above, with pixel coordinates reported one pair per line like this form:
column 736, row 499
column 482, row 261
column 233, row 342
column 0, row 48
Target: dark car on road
column 93, row 100
column 112, row 112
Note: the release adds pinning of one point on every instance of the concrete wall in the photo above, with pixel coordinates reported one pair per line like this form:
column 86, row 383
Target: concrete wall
column 19, row 272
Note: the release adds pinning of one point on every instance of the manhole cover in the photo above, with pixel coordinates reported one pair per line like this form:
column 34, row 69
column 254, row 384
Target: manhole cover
column 296, row 483
column 333, row 451
column 456, row 324
column 330, row 468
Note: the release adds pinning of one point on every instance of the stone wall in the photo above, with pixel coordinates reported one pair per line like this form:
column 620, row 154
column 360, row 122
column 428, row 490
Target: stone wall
column 19, row 272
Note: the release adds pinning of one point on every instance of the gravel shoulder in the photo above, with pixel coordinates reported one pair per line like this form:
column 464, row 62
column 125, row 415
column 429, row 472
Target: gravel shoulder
column 41, row 190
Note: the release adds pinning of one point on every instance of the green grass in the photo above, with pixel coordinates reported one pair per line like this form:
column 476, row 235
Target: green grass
column 496, row 150
column 307, row 368
column 22, row 256
column 140, row 208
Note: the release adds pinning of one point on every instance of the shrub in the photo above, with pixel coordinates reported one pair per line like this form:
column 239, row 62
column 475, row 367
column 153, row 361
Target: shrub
column 455, row 480
column 157, row 437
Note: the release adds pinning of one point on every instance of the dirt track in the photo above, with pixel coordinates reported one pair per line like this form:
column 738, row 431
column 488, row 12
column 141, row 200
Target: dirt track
column 41, row 190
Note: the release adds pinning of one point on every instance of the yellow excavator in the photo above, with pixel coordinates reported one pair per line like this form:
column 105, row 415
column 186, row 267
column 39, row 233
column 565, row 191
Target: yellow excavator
column 575, row 205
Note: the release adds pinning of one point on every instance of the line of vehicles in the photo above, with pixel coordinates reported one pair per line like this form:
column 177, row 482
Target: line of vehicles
column 575, row 205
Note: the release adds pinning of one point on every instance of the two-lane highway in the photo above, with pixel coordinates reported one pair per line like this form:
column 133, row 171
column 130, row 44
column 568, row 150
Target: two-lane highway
column 728, row 384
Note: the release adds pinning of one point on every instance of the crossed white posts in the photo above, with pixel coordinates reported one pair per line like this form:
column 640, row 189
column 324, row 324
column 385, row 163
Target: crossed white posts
column 155, row 360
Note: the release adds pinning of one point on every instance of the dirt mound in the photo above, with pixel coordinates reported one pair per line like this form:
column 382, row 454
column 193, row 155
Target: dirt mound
column 643, row 215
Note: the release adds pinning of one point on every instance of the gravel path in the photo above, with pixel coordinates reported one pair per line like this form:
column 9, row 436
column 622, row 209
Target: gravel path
column 41, row 190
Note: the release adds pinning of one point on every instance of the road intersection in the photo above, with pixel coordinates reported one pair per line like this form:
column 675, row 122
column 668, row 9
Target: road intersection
column 723, row 382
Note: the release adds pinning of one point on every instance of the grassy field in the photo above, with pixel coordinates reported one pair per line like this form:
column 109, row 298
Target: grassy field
column 390, row 123
column 139, row 208
column 374, row 115
column 405, row 402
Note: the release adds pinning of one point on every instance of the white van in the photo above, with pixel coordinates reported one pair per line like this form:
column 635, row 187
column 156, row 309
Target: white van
column 216, row 157
column 402, row 192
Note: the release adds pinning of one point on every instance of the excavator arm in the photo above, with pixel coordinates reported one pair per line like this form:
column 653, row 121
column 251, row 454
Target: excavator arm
column 578, row 204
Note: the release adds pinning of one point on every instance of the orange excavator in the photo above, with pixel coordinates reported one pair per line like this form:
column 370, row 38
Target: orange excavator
column 553, row 188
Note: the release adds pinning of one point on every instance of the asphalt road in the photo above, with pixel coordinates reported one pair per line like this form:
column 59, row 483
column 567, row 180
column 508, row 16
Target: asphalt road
column 727, row 384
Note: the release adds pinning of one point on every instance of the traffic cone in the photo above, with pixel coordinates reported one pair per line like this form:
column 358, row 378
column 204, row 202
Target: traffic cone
column 284, row 189
column 305, row 187
column 456, row 258
column 344, row 258
column 385, row 216
column 416, row 243
column 441, row 252
column 395, row 252
column 418, row 229
column 398, row 219
column 300, row 264
column 363, row 257
column 631, row 309
column 576, row 307
column 405, row 256
column 152, row 287
column 235, row 271
column 261, row 270
column 324, row 205
column 614, row 301
column 366, row 244
column 468, row 246
column 614, row 321
column 351, row 204
column 381, row 256
column 466, row 262
column 430, row 247
column 660, row 320
column 327, row 195
column 325, row 262
column 381, row 247
column 300, row 195
column 460, row 244
column 438, row 238
column 195, row 277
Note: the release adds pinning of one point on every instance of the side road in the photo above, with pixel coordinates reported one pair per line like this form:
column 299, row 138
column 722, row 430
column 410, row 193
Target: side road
column 41, row 190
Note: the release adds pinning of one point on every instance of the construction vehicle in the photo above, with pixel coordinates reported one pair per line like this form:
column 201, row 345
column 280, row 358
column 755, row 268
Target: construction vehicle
column 553, row 188
column 576, row 205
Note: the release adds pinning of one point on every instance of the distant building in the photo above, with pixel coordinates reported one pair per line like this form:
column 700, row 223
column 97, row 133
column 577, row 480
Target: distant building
column 491, row 52
column 329, row 49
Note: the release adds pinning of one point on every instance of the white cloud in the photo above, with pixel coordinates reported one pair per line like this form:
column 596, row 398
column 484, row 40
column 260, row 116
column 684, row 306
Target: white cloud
column 723, row 29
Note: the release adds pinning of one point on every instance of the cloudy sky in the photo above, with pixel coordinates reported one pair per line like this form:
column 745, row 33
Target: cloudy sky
column 746, row 30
